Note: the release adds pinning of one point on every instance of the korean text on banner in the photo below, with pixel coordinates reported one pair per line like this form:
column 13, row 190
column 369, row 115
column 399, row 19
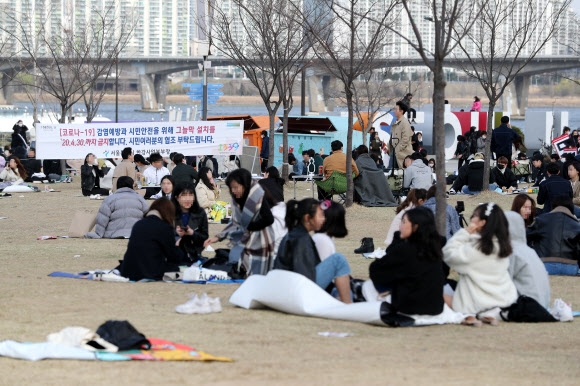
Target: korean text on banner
column 107, row 140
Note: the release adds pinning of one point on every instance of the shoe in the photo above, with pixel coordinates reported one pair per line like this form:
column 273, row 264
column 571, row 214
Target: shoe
column 203, row 305
column 113, row 278
column 366, row 246
column 489, row 320
column 452, row 191
column 196, row 305
column 215, row 305
column 189, row 307
column 471, row 321
column 93, row 197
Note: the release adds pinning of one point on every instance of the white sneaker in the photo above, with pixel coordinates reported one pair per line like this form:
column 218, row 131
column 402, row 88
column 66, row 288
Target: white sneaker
column 189, row 307
column 215, row 305
column 203, row 305
column 195, row 305
column 113, row 277
column 93, row 197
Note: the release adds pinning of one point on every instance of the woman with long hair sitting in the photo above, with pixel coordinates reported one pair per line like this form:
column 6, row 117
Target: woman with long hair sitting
column 250, row 234
column 151, row 250
column 334, row 226
column 14, row 172
column 412, row 269
column 298, row 253
column 415, row 198
column 191, row 221
column 479, row 254
column 526, row 207
column 91, row 174
column 206, row 189
column 167, row 187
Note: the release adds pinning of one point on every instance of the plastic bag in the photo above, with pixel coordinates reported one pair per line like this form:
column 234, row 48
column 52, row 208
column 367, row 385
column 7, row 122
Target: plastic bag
column 562, row 311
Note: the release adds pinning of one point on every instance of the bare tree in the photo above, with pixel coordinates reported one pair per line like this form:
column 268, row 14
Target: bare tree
column 347, row 37
column 106, row 34
column 372, row 94
column 504, row 39
column 264, row 39
column 444, row 16
column 61, row 55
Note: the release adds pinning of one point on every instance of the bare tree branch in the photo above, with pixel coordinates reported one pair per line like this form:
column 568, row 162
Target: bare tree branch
column 505, row 38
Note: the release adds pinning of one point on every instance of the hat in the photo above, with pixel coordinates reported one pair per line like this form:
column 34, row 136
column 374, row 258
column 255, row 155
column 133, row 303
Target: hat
column 478, row 156
column 538, row 157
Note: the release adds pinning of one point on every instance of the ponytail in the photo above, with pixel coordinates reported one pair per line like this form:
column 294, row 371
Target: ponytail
column 296, row 210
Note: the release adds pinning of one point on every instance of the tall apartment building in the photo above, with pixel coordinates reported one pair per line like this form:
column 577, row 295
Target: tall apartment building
column 162, row 29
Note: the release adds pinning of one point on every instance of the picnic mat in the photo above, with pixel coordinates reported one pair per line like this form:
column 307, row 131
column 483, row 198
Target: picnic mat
column 293, row 293
column 89, row 275
column 161, row 350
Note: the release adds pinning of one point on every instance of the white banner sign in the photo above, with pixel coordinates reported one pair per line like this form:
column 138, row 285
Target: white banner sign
column 107, row 140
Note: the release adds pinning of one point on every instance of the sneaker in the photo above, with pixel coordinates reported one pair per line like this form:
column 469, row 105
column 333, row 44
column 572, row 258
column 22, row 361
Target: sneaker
column 188, row 307
column 203, row 304
column 452, row 191
column 195, row 305
column 114, row 278
column 93, row 197
column 215, row 305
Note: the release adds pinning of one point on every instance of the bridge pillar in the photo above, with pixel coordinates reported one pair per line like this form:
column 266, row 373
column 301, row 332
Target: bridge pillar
column 153, row 90
column 515, row 98
column 161, row 89
column 7, row 91
column 318, row 95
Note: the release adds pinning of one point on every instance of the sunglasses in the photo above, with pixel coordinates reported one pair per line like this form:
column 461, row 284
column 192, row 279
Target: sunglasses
column 325, row 204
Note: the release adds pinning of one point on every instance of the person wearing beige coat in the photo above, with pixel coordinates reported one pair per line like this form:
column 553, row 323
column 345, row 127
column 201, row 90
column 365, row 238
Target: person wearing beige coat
column 125, row 168
column 401, row 134
column 206, row 190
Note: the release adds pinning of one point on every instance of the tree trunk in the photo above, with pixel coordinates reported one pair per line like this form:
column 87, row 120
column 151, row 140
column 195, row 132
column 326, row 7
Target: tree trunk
column 349, row 181
column 63, row 110
column 439, row 84
column 271, row 135
column 487, row 157
column 285, row 144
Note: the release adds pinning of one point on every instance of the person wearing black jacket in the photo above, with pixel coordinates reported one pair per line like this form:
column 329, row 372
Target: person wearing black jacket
column 190, row 220
column 461, row 151
column 554, row 186
column 555, row 236
column 18, row 144
column 412, row 268
column 151, row 250
column 504, row 177
column 182, row 172
column 91, row 173
column 297, row 252
column 502, row 139
column 32, row 165
column 473, row 183
column 539, row 172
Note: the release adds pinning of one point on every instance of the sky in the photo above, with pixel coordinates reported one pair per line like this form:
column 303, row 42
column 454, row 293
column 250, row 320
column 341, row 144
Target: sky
column 576, row 6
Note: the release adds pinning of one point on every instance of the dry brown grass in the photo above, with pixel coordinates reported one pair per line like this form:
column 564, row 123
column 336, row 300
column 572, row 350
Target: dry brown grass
column 268, row 347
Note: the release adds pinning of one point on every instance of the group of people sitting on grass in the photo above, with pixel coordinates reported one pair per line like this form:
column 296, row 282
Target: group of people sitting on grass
column 153, row 176
column 491, row 256
column 497, row 256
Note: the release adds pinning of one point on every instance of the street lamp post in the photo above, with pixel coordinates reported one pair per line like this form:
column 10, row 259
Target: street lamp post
column 204, row 95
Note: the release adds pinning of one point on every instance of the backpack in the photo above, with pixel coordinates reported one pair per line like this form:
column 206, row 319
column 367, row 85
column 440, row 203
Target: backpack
column 526, row 310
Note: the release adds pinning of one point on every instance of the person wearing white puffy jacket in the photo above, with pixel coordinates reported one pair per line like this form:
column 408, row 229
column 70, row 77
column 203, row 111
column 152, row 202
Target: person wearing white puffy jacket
column 479, row 254
column 119, row 212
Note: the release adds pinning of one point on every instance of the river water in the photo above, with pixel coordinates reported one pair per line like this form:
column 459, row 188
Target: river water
column 129, row 112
